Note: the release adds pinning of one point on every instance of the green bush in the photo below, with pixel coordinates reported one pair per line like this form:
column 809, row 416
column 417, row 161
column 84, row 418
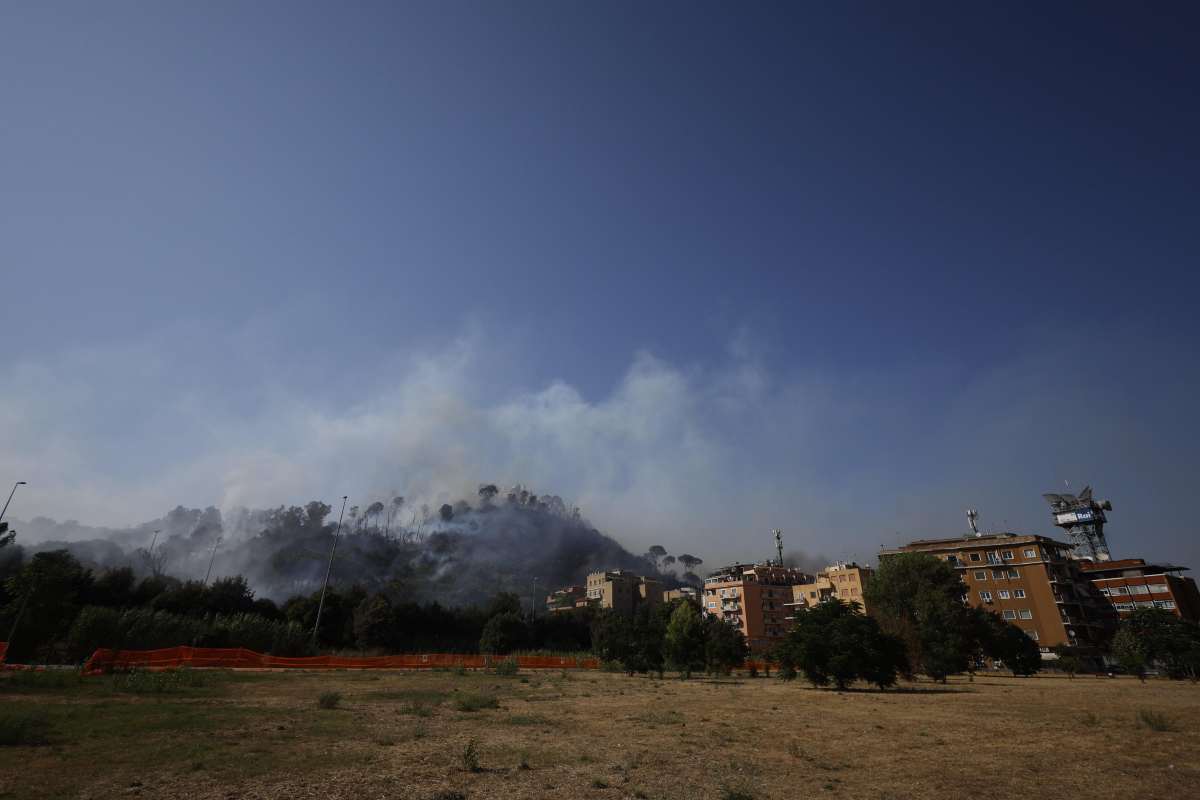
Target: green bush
column 476, row 702
column 508, row 667
column 1155, row 721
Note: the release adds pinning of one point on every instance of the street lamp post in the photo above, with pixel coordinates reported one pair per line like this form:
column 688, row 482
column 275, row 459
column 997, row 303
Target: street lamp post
column 329, row 569
column 10, row 496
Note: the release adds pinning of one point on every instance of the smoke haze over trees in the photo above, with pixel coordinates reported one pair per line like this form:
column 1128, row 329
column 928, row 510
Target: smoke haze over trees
column 459, row 553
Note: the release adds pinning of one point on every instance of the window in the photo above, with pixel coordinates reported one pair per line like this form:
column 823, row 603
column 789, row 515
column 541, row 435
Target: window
column 1025, row 613
column 1012, row 573
column 1160, row 588
column 1139, row 590
column 1030, row 552
column 993, row 558
column 997, row 574
column 1104, row 591
column 985, row 597
column 1167, row 604
column 1004, row 594
column 1010, row 614
column 1006, row 555
column 975, row 557
column 1032, row 635
column 1019, row 594
column 952, row 560
column 1120, row 590
column 1144, row 604
column 981, row 574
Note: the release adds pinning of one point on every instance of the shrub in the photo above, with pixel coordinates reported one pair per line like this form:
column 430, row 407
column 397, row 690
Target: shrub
column 470, row 756
column 138, row 681
column 24, row 728
column 508, row 667
column 1155, row 721
column 476, row 702
column 328, row 700
column 95, row 627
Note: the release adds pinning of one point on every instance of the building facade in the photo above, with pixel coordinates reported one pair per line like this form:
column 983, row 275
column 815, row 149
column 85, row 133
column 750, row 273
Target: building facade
column 1031, row 581
column 567, row 598
column 1132, row 583
column 754, row 598
column 622, row 591
column 843, row 580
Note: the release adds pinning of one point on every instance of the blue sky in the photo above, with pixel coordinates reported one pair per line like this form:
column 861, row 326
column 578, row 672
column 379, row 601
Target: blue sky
column 844, row 269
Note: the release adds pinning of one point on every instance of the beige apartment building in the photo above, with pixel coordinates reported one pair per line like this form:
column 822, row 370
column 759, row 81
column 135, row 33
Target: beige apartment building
column 622, row 591
column 1029, row 580
column 844, row 580
column 1131, row 583
column 755, row 598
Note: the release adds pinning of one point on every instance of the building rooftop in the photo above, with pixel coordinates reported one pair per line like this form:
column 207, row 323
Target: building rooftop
column 972, row 540
column 1124, row 564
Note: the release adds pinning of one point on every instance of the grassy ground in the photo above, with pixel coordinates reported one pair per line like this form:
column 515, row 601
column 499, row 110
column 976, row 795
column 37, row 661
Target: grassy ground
column 593, row 735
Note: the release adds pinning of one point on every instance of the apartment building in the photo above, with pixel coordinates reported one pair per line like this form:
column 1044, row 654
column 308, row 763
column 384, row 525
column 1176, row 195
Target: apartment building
column 1132, row 583
column 622, row 591
column 567, row 598
column 755, row 598
column 689, row 593
column 844, row 580
column 1031, row 581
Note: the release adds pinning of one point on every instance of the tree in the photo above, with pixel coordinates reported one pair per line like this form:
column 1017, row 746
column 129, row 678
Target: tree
column 6, row 536
column 1163, row 638
column 834, row 643
column 655, row 554
column 1018, row 652
column 446, row 512
column 683, row 643
column 724, row 646
column 47, row 595
column 504, row 603
column 487, row 493
column 373, row 622
column 502, row 634
column 374, row 511
column 1130, row 652
column 919, row 599
column 690, row 562
column 1068, row 660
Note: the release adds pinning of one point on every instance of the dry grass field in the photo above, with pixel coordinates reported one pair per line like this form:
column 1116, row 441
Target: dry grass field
column 592, row 735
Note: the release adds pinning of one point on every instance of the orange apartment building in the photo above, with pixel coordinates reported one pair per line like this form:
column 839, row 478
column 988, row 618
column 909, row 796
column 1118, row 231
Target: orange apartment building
column 843, row 580
column 1132, row 583
column 1029, row 580
column 754, row 598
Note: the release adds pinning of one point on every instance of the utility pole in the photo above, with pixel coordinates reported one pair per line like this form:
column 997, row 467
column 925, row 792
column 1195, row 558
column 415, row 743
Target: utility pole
column 10, row 496
column 328, row 569
column 211, row 559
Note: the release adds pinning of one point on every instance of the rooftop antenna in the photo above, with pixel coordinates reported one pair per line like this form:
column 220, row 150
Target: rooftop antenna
column 973, row 515
column 779, row 544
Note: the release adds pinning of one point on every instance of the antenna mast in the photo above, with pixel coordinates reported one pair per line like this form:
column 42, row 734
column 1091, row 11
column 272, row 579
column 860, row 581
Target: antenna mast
column 779, row 545
column 973, row 515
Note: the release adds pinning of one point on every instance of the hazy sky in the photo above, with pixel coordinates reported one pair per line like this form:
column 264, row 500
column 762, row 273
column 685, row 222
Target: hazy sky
column 845, row 269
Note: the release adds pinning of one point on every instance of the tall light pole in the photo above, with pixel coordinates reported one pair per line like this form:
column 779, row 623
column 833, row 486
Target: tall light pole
column 328, row 569
column 10, row 496
column 211, row 559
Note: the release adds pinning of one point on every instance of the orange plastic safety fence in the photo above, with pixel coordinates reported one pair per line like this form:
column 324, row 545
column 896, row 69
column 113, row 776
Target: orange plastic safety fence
column 240, row 658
